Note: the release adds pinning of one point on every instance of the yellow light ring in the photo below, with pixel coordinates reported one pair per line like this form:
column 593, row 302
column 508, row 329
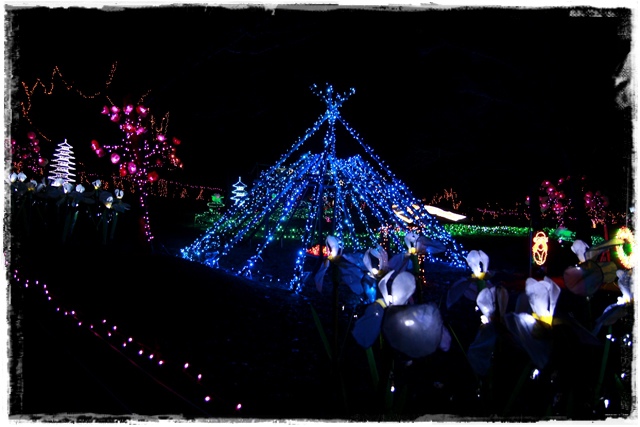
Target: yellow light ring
column 626, row 235
column 540, row 248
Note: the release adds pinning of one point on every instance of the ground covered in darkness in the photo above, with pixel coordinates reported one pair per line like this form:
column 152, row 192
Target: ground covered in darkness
column 126, row 330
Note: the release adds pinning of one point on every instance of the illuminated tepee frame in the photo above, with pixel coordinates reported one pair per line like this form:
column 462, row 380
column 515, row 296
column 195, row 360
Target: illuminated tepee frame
column 360, row 203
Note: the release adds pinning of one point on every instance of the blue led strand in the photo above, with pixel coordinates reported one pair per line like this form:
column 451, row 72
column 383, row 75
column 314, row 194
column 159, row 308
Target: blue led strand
column 383, row 213
column 227, row 223
column 296, row 282
column 275, row 232
column 371, row 241
column 265, row 204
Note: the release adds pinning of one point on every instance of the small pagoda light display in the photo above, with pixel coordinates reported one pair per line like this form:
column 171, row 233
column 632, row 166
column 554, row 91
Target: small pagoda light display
column 240, row 193
column 63, row 163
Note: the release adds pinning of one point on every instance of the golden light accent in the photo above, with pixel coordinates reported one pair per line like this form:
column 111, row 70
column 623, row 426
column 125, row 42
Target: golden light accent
column 540, row 248
column 548, row 319
column 315, row 250
column 449, row 195
column 48, row 90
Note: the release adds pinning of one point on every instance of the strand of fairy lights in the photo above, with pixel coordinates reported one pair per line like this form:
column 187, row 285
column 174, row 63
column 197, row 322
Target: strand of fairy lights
column 449, row 195
column 520, row 214
column 296, row 281
column 456, row 230
column 255, row 219
column 121, row 342
column 47, row 89
column 162, row 187
column 271, row 236
column 243, row 215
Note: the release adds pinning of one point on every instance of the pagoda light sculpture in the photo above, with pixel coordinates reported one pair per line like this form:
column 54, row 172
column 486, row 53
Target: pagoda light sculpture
column 63, row 163
column 239, row 192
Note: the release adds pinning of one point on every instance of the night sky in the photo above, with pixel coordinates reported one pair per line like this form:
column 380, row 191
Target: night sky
column 485, row 101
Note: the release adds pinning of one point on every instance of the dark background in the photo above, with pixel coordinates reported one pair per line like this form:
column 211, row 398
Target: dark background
column 486, row 101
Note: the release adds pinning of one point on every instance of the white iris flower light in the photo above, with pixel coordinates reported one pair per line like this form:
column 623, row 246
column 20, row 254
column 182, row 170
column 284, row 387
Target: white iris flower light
column 469, row 287
column 530, row 329
column 491, row 300
column 543, row 296
column 383, row 261
column 418, row 244
column 402, row 287
column 67, row 187
column 622, row 306
column 335, row 247
column 580, row 249
column 624, row 283
column 411, row 239
column 478, row 261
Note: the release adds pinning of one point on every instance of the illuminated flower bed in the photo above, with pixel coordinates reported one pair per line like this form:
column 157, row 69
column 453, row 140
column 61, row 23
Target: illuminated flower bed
column 237, row 348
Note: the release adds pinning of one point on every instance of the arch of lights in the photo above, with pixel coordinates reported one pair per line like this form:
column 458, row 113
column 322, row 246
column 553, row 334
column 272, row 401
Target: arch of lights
column 360, row 202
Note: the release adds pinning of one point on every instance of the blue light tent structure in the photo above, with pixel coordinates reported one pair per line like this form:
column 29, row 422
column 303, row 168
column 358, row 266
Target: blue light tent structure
column 303, row 200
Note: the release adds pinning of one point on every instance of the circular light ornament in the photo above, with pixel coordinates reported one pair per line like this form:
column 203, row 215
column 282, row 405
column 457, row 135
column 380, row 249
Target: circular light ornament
column 132, row 168
column 624, row 251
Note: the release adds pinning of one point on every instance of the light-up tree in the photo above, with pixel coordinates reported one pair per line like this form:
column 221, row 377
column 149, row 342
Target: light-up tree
column 63, row 163
column 349, row 198
column 554, row 198
column 26, row 157
column 571, row 204
column 596, row 204
column 144, row 150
